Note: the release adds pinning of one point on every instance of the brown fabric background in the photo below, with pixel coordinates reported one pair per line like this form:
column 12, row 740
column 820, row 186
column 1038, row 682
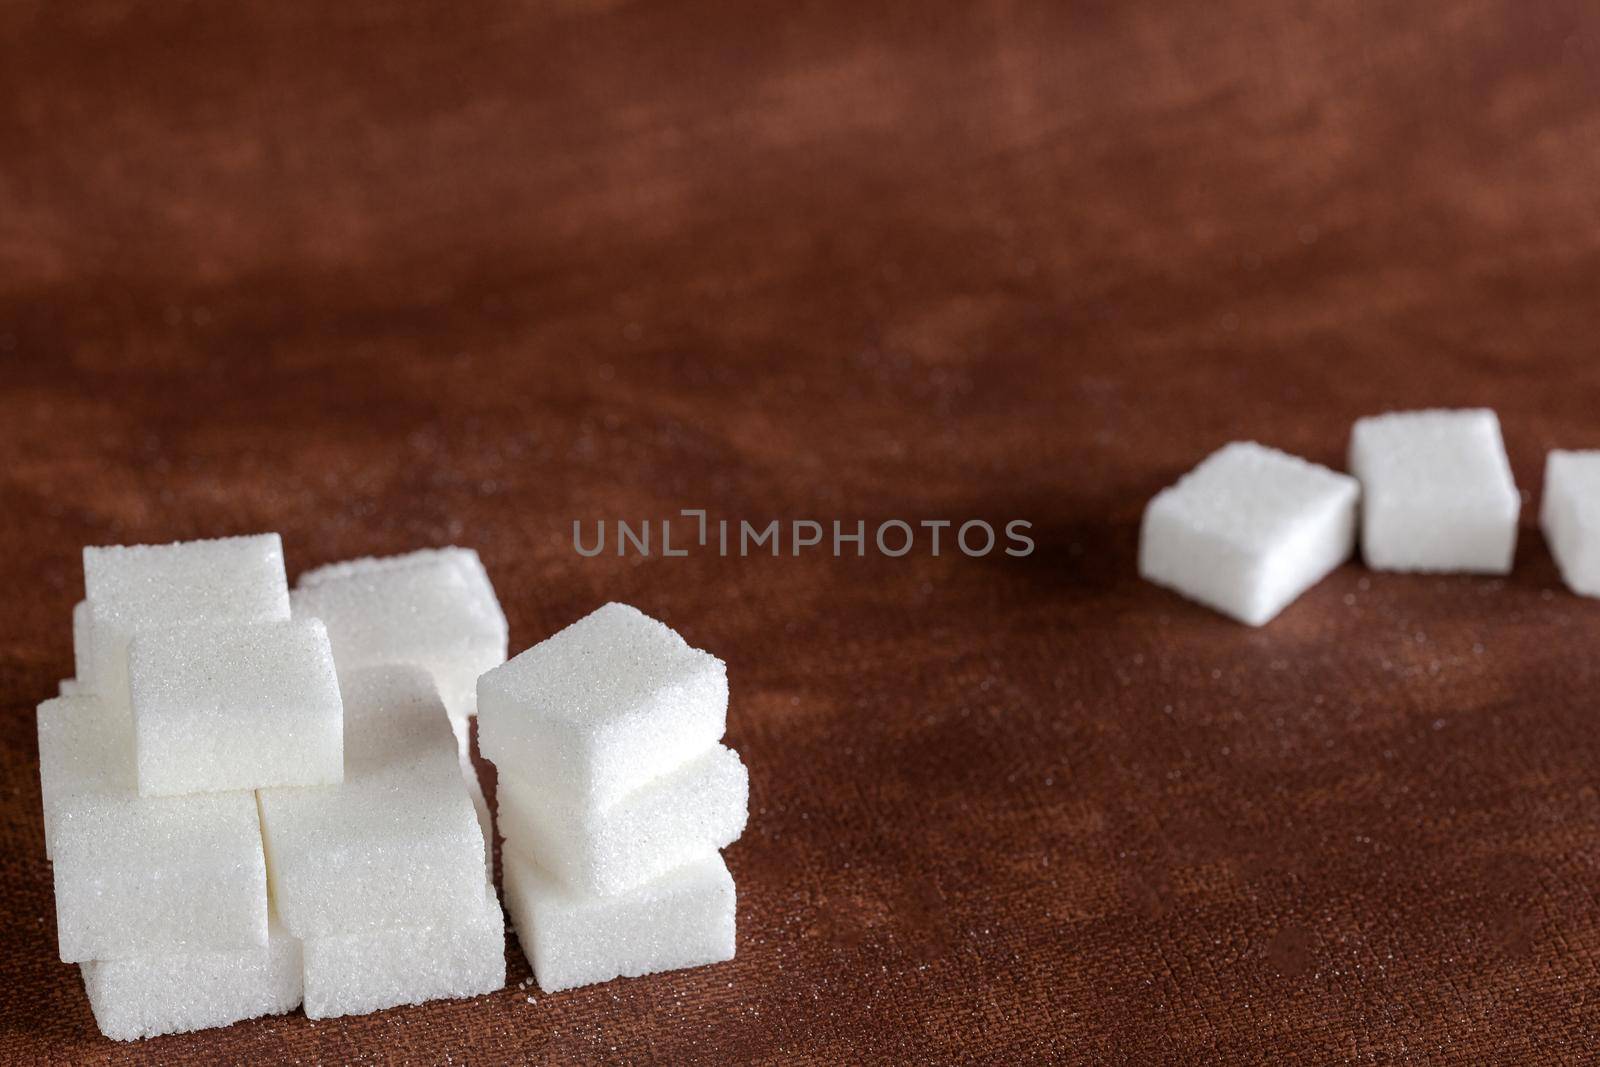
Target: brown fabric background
column 395, row 276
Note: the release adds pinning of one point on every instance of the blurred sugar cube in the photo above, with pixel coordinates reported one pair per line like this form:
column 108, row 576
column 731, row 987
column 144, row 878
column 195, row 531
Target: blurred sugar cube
column 1570, row 517
column 82, row 641
column 1437, row 492
column 1249, row 530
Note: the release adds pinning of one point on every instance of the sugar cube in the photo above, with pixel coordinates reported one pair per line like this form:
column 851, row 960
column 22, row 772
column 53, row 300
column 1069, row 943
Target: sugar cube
column 176, row 992
column 235, row 706
column 480, row 808
column 1248, row 531
column 682, row 919
column 1437, row 492
column 466, row 560
column 1571, row 517
column 135, row 876
column 463, row 956
column 82, row 641
column 682, row 816
column 434, row 608
column 134, row 588
column 604, row 706
column 397, row 844
column 69, row 687
column 83, row 749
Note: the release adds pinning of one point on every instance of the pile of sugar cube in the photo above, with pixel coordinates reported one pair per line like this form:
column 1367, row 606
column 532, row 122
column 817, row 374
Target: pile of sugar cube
column 1251, row 528
column 615, row 797
column 257, row 798
column 253, row 798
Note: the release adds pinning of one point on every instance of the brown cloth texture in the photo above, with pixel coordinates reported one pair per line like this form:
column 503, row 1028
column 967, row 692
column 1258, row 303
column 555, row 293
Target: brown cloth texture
column 387, row 276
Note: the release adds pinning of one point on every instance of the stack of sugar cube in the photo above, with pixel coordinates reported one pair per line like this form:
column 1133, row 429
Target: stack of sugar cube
column 615, row 797
column 235, row 824
column 1251, row 528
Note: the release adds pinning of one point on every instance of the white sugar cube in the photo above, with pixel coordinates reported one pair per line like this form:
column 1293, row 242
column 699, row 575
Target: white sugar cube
column 235, row 706
column 82, row 640
column 83, row 749
column 682, row 919
column 352, row 974
column 1571, row 518
column 464, row 559
column 136, row 876
column 1437, row 492
column 397, row 844
column 678, row 818
column 1248, row 531
column 604, row 706
column 137, row 588
column 174, row 993
column 480, row 808
column 434, row 608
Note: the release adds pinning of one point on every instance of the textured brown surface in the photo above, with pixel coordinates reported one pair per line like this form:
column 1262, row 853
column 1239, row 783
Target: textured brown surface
column 380, row 280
